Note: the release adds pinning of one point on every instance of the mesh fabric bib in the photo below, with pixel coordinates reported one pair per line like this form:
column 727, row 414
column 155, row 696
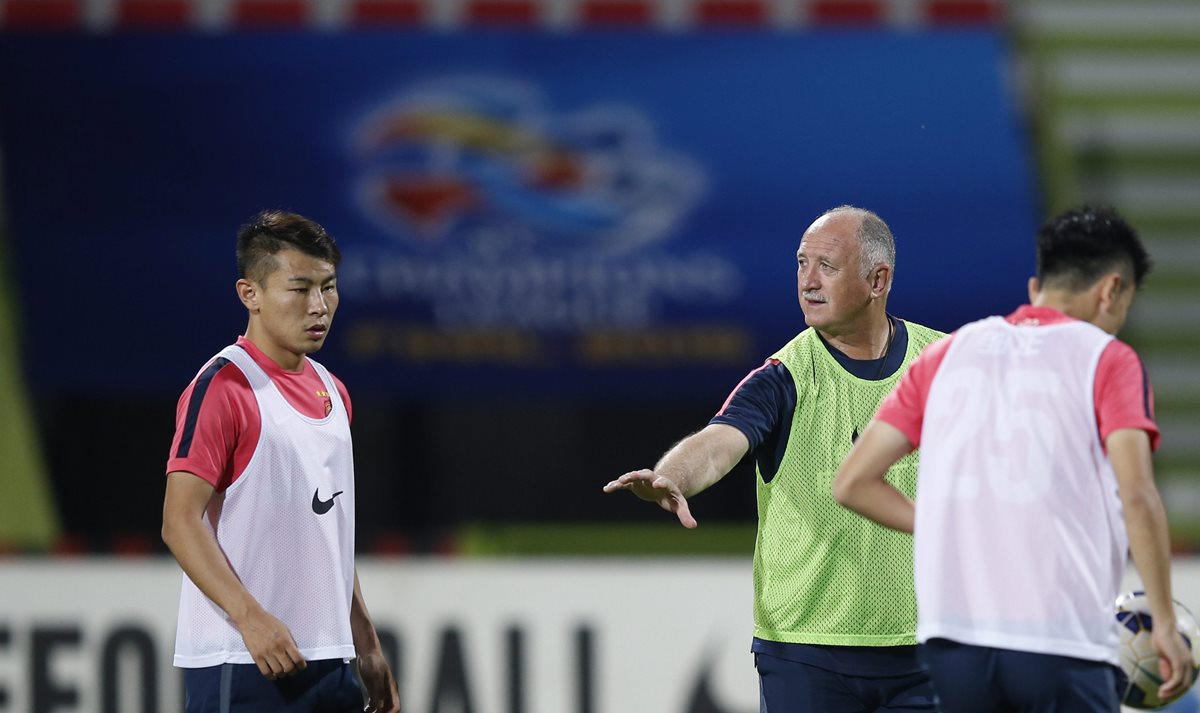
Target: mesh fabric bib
column 823, row 574
column 288, row 537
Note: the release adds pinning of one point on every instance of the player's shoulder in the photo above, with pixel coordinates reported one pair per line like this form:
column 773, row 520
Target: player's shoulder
column 772, row 370
column 920, row 334
column 796, row 346
column 930, row 353
column 315, row 372
column 1120, row 354
column 218, row 375
column 220, row 387
column 771, row 374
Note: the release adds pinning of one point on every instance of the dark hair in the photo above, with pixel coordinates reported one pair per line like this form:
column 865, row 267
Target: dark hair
column 272, row 231
column 1079, row 246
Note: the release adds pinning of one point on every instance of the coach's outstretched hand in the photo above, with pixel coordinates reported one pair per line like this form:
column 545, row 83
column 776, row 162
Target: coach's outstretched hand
column 654, row 488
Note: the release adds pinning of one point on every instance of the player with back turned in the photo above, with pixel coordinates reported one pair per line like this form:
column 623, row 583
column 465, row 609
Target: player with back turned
column 1035, row 433
column 259, row 507
column 834, row 610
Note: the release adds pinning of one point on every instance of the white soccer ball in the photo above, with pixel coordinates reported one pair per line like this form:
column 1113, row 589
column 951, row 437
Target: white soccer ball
column 1138, row 660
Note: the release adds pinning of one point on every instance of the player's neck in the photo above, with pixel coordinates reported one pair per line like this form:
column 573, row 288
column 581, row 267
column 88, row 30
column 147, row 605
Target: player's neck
column 1077, row 305
column 287, row 360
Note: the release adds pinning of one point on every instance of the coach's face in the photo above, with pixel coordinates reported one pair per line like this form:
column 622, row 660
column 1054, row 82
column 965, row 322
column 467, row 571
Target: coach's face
column 833, row 292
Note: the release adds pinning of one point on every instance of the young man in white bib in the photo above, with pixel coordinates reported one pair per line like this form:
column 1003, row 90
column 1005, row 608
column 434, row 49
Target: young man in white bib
column 1035, row 481
column 259, row 507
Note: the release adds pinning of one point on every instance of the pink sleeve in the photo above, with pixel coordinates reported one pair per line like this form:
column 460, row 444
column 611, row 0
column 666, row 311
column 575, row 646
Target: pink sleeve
column 904, row 408
column 1122, row 393
column 216, row 426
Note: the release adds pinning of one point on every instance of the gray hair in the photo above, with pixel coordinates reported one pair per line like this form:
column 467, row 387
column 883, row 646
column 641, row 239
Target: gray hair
column 874, row 238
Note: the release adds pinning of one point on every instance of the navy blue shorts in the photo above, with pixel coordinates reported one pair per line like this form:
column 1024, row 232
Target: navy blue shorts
column 329, row 686
column 979, row 679
column 794, row 687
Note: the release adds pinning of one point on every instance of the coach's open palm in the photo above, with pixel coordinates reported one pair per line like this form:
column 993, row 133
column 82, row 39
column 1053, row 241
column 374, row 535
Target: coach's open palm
column 654, row 488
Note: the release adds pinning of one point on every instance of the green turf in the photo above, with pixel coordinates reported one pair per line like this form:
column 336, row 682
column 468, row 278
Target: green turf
column 711, row 538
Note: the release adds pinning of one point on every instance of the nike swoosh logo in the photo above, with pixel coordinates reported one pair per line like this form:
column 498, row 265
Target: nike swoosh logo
column 320, row 506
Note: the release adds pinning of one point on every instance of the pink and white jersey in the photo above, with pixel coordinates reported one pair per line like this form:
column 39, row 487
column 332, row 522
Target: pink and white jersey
column 1019, row 537
column 286, row 525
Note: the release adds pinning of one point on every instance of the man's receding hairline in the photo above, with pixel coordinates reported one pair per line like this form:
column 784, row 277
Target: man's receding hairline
column 860, row 213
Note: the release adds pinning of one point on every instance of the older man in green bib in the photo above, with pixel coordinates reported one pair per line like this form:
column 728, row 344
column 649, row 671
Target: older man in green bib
column 834, row 610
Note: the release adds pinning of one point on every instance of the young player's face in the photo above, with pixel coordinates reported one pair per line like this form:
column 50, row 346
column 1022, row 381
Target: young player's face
column 295, row 306
column 833, row 293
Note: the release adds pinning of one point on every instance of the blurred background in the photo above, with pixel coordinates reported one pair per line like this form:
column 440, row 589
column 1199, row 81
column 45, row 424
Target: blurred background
column 568, row 230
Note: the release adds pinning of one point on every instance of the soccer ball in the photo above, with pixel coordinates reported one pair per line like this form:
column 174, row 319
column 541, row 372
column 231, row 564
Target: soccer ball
column 1138, row 660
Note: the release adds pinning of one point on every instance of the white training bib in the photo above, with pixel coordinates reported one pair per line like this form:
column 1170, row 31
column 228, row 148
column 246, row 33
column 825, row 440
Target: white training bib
column 1019, row 537
column 286, row 526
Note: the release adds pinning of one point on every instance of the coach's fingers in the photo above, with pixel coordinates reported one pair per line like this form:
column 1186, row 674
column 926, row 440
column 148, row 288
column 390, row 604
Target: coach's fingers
column 686, row 519
column 629, row 480
column 676, row 503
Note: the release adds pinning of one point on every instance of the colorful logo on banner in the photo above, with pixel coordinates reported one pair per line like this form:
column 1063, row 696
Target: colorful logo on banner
column 480, row 164
column 504, row 216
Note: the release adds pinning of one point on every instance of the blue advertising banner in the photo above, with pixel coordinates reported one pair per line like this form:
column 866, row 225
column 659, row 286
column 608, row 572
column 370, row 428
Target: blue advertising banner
column 593, row 214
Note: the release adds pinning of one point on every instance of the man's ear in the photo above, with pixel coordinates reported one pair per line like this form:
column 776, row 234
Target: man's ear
column 247, row 292
column 1110, row 289
column 881, row 280
column 1034, row 288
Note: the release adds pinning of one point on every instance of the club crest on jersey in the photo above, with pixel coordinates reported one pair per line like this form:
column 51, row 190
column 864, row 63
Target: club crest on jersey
column 328, row 401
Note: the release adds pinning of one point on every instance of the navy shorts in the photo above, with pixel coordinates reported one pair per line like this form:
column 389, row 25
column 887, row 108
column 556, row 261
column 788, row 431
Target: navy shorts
column 979, row 679
column 794, row 687
column 329, row 686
